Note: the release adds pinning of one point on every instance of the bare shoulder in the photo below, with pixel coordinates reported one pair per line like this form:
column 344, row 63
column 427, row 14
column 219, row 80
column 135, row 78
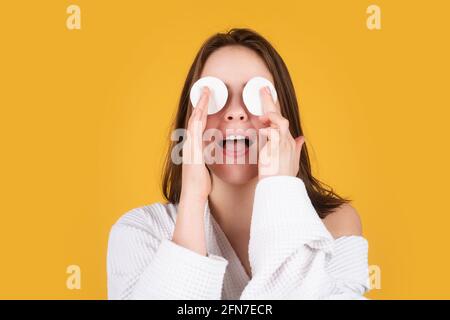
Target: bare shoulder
column 343, row 221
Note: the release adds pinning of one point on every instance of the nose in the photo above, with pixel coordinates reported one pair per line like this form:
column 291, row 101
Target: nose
column 235, row 112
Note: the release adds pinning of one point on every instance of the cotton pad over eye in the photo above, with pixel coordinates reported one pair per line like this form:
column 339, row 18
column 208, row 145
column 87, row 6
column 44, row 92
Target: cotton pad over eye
column 218, row 93
column 252, row 97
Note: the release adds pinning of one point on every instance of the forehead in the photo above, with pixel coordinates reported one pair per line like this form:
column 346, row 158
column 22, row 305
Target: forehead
column 235, row 65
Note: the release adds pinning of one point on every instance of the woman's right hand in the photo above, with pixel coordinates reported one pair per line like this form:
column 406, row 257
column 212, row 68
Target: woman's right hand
column 196, row 182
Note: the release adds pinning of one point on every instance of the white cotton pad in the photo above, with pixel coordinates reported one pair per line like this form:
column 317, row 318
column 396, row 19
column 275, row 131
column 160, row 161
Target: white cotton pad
column 251, row 96
column 218, row 93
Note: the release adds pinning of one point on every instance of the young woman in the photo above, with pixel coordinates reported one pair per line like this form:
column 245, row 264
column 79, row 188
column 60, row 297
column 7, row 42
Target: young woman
column 235, row 231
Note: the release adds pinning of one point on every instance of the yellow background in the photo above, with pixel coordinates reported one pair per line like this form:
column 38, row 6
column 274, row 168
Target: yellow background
column 85, row 116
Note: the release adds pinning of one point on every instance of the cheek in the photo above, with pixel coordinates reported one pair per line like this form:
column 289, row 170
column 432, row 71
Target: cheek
column 256, row 123
column 212, row 121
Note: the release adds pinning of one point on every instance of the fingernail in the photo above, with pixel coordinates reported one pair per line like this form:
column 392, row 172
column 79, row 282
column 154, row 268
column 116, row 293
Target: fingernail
column 262, row 90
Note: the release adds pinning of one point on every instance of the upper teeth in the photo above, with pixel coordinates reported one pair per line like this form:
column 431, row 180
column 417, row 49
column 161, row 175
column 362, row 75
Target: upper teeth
column 235, row 137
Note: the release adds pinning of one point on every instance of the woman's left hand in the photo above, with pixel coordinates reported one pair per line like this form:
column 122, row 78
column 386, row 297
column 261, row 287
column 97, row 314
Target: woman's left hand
column 280, row 156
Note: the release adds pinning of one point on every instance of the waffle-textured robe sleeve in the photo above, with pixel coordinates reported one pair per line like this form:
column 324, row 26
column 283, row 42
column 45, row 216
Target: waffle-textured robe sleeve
column 141, row 266
column 292, row 254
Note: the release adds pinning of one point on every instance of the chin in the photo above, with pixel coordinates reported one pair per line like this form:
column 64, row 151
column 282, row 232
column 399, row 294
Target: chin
column 236, row 174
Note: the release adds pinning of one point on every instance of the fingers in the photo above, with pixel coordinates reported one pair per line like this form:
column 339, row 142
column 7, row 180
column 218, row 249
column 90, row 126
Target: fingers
column 199, row 114
column 276, row 120
column 203, row 105
column 266, row 100
column 273, row 139
column 271, row 115
column 299, row 141
column 195, row 128
column 271, row 134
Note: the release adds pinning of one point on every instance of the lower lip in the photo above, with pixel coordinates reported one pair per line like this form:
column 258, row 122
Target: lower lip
column 232, row 152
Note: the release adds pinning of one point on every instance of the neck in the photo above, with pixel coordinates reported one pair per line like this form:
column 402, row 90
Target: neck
column 232, row 205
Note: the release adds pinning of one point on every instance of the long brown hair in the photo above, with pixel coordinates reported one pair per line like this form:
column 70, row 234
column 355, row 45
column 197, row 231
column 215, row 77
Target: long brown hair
column 323, row 198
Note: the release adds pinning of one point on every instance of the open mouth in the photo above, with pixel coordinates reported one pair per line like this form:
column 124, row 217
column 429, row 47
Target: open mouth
column 235, row 145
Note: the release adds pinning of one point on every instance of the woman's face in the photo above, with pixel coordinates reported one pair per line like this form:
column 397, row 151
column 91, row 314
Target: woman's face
column 235, row 66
